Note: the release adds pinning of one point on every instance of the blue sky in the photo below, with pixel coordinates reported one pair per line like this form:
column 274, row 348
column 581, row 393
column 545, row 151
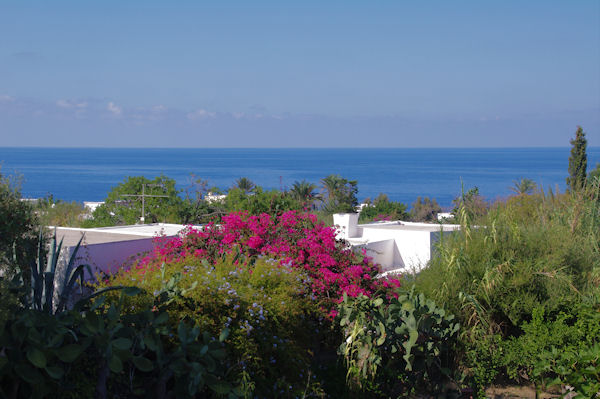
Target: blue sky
column 285, row 74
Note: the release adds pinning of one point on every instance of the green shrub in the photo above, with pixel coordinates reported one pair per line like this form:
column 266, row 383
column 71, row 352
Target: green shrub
column 123, row 205
column 18, row 228
column 518, row 279
column 127, row 354
column 18, row 242
column 509, row 265
column 60, row 213
column 424, row 210
column 577, row 368
column 572, row 330
column 399, row 344
column 258, row 201
column 274, row 325
column 383, row 209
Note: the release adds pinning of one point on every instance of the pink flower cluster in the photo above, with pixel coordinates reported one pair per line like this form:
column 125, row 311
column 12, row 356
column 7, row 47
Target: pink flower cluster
column 382, row 218
column 293, row 239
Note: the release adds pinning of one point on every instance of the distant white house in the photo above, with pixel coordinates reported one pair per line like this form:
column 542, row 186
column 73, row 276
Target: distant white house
column 91, row 206
column 30, row 200
column 211, row 198
column 362, row 206
column 397, row 246
column 444, row 216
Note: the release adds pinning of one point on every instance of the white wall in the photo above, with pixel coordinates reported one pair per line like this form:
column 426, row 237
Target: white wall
column 411, row 248
column 382, row 252
column 109, row 257
column 347, row 224
column 406, row 246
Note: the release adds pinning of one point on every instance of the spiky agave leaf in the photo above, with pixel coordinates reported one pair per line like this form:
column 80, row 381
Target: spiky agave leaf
column 71, row 279
column 37, row 270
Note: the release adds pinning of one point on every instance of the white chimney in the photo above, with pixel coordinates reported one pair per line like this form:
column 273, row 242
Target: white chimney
column 347, row 224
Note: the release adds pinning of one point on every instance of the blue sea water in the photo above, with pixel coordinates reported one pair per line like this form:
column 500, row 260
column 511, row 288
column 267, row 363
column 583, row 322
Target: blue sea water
column 87, row 174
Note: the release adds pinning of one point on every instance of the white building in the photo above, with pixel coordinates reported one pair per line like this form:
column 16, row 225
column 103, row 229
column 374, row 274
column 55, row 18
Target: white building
column 444, row 216
column 397, row 246
column 214, row 198
column 90, row 206
column 107, row 249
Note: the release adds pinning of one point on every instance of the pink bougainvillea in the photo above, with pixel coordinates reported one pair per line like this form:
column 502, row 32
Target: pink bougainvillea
column 293, row 239
column 382, row 218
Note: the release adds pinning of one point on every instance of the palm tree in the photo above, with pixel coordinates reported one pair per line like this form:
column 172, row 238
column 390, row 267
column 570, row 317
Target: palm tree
column 523, row 186
column 331, row 185
column 304, row 191
column 244, row 184
column 341, row 194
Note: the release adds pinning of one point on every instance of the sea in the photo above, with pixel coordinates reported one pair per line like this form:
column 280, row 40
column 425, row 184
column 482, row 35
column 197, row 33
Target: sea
column 87, row 174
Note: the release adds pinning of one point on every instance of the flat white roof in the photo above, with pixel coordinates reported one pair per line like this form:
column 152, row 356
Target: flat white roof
column 146, row 230
column 410, row 226
column 71, row 235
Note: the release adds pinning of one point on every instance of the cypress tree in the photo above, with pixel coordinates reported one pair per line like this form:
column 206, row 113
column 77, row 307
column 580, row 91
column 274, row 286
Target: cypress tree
column 577, row 161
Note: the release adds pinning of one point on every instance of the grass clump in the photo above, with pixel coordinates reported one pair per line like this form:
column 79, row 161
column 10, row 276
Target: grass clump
column 522, row 281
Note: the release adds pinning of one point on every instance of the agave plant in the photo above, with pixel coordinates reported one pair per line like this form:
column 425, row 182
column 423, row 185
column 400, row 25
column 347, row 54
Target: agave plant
column 45, row 278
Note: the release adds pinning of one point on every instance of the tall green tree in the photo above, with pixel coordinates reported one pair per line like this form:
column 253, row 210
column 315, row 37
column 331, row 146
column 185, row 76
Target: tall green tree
column 383, row 209
column 197, row 210
column 523, row 186
column 245, row 184
column 424, row 210
column 18, row 228
column 330, row 185
column 304, row 192
column 340, row 194
column 577, row 161
column 122, row 207
column 473, row 203
column 273, row 202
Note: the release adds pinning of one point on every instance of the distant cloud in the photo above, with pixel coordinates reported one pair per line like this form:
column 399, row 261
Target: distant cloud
column 200, row 114
column 71, row 104
column 26, row 117
column 114, row 109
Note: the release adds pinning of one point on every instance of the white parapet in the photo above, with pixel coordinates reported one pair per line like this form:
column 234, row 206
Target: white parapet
column 347, row 224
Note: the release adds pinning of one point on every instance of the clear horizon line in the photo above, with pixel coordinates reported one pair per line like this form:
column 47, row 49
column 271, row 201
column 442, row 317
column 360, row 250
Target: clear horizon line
column 294, row 148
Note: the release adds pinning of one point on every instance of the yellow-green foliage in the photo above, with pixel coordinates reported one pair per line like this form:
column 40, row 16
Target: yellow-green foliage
column 539, row 251
column 273, row 323
column 61, row 213
column 534, row 249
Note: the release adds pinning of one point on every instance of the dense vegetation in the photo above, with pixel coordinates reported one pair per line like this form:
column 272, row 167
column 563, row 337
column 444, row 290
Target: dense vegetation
column 198, row 203
column 268, row 287
column 382, row 209
column 18, row 225
column 525, row 284
column 267, row 303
